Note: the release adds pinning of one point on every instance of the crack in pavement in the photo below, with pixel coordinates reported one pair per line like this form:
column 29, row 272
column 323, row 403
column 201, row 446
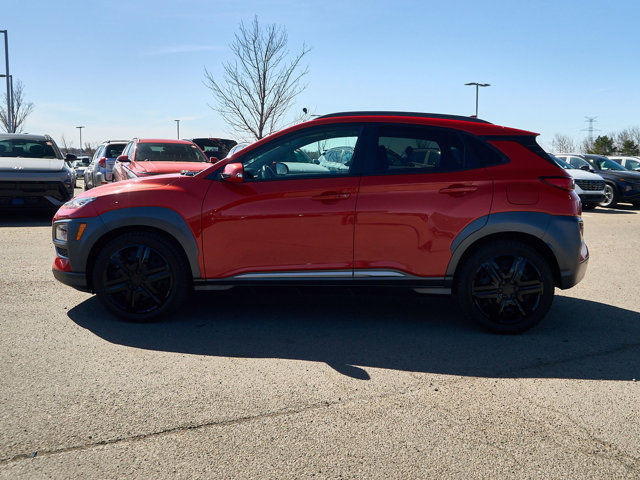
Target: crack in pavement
column 315, row 406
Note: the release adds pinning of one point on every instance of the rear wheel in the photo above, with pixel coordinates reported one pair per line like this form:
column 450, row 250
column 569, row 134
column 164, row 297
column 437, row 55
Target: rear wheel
column 610, row 196
column 505, row 286
column 139, row 276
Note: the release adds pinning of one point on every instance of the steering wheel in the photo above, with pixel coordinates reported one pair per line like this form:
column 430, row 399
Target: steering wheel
column 266, row 172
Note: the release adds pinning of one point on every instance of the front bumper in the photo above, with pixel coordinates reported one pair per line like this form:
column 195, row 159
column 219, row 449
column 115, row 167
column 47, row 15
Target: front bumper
column 72, row 279
column 591, row 197
column 34, row 194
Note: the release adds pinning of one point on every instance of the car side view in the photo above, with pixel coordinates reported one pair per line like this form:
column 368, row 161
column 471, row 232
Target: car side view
column 438, row 203
column 630, row 163
column 145, row 157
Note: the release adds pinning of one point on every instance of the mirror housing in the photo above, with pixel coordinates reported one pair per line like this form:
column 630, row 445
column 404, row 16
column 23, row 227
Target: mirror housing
column 233, row 172
column 214, row 159
column 123, row 158
column 70, row 157
column 586, row 168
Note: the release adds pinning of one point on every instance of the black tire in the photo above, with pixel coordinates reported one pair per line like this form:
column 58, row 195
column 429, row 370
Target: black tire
column 611, row 196
column 588, row 206
column 505, row 286
column 140, row 276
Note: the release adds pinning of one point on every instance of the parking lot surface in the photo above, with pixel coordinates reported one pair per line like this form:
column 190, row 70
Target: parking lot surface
column 330, row 383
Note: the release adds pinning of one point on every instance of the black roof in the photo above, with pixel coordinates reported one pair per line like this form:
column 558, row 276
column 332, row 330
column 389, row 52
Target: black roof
column 405, row 114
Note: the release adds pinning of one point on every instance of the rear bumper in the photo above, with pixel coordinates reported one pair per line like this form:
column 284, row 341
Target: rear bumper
column 570, row 278
column 72, row 279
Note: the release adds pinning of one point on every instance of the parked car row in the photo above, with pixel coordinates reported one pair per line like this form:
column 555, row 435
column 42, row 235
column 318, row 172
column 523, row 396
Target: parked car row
column 117, row 160
column 620, row 183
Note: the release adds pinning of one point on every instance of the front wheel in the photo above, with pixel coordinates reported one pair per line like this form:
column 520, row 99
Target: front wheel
column 505, row 286
column 139, row 276
column 610, row 196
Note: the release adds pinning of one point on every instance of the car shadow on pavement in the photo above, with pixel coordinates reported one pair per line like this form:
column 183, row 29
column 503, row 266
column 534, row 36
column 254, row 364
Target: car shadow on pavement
column 579, row 339
column 618, row 209
column 27, row 218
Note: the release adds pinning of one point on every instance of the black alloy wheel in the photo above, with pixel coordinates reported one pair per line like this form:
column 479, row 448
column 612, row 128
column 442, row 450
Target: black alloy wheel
column 506, row 286
column 140, row 276
column 138, row 279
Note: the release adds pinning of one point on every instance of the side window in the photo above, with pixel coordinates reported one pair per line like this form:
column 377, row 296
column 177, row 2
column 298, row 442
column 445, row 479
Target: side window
column 128, row 150
column 632, row 164
column 308, row 154
column 402, row 149
column 98, row 153
column 577, row 162
column 483, row 154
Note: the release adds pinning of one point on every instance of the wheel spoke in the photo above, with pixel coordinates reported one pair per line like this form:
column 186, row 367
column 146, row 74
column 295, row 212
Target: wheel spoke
column 527, row 288
column 115, row 260
column 157, row 274
column 517, row 303
column 117, row 286
column 493, row 270
column 149, row 294
column 488, row 292
column 517, row 269
column 142, row 256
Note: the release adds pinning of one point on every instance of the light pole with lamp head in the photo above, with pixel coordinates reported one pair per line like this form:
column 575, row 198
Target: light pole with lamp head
column 80, row 130
column 478, row 85
column 178, row 127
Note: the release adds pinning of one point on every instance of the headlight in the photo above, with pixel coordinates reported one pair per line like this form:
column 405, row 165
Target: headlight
column 79, row 202
column 60, row 232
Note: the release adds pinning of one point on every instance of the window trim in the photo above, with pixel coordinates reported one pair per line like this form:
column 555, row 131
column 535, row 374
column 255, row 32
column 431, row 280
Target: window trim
column 359, row 153
column 374, row 128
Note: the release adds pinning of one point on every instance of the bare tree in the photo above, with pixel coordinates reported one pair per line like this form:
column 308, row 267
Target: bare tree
column 21, row 109
column 260, row 85
column 67, row 145
column 90, row 148
column 562, row 143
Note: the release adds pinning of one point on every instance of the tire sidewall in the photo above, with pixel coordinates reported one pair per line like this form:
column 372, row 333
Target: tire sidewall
column 614, row 199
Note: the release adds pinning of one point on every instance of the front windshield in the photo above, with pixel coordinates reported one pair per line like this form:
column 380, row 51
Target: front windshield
column 603, row 163
column 18, row 147
column 169, row 152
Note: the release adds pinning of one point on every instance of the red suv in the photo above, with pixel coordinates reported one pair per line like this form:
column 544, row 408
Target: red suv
column 438, row 203
column 144, row 157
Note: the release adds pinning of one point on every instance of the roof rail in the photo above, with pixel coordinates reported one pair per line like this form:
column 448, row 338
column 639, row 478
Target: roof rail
column 405, row 114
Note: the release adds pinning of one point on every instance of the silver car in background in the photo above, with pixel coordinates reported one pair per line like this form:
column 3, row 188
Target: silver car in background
column 100, row 171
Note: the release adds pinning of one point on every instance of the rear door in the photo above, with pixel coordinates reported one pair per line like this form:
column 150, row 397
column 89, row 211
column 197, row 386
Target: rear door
column 422, row 187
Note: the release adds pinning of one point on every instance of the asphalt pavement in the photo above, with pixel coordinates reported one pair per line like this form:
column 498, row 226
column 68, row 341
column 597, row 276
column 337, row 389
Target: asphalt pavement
column 318, row 383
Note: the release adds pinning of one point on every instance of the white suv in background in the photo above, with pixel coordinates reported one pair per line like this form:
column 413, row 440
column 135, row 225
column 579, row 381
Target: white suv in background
column 588, row 186
column 630, row 163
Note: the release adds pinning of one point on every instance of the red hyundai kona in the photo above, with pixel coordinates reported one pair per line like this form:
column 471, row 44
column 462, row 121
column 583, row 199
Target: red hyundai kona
column 144, row 157
column 437, row 203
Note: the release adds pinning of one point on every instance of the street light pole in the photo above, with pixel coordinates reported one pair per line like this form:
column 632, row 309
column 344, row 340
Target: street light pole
column 178, row 127
column 9, row 102
column 478, row 85
column 80, row 130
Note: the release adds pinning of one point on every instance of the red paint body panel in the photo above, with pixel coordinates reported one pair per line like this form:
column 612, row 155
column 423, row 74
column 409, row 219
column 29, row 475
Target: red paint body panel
column 405, row 223
column 280, row 225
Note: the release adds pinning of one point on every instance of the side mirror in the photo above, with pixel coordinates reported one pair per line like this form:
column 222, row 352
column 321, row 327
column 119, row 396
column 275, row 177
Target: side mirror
column 586, row 168
column 70, row 157
column 214, row 160
column 123, row 158
column 233, row 172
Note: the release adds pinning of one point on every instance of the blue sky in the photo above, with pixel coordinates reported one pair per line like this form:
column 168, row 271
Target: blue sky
column 127, row 69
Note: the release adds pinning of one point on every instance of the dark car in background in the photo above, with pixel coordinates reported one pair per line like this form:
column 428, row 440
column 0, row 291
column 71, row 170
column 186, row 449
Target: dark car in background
column 215, row 147
column 33, row 172
column 622, row 185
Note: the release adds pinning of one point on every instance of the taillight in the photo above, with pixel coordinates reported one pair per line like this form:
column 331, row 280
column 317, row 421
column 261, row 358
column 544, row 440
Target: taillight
column 563, row 183
column 102, row 162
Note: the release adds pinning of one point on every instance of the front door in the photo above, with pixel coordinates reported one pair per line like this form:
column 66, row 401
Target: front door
column 292, row 217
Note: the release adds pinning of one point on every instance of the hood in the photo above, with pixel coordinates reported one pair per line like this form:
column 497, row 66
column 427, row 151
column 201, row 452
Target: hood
column 620, row 174
column 18, row 164
column 579, row 174
column 149, row 167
